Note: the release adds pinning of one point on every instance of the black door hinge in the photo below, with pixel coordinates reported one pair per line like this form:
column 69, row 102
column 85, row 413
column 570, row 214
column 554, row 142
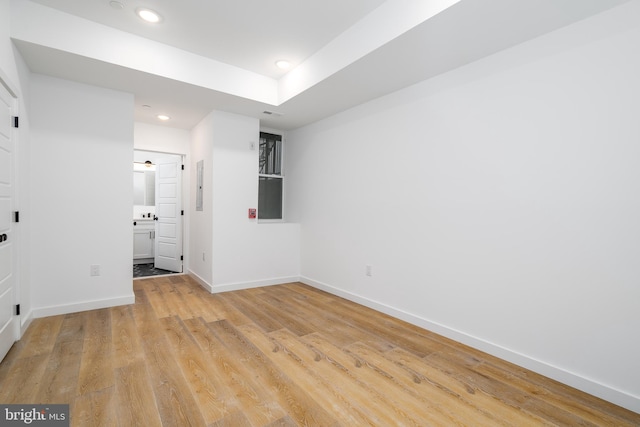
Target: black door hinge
column 17, row 309
column 181, row 258
column 16, row 216
column 182, row 167
column 182, row 212
column 15, row 121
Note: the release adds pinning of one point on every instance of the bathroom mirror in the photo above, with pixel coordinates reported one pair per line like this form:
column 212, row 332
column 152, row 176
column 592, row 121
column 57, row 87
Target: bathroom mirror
column 144, row 188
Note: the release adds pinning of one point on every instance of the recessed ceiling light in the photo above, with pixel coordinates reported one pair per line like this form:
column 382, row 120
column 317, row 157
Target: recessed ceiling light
column 116, row 4
column 163, row 117
column 146, row 106
column 282, row 64
column 148, row 15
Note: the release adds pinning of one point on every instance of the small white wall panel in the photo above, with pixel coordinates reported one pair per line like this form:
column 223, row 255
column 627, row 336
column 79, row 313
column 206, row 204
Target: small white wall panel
column 5, row 208
column 6, row 311
column 167, row 190
column 167, row 210
column 167, row 171
column 5, row 125
column 5, row 264
column 167, row 230
column 5, row 167
column 167, row 250
column 6, row 299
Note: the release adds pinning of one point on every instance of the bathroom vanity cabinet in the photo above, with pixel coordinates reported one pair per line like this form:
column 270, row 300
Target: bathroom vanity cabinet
column 143, row 240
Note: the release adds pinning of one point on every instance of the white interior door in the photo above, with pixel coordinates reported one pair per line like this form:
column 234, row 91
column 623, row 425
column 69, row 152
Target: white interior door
column 8, row 320
column 168, row 242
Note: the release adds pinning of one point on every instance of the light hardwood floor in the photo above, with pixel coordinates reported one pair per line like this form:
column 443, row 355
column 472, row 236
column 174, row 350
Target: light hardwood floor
column 285, row 355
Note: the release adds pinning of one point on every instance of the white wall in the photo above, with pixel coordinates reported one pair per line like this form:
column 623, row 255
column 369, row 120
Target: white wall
column 201, row 222
column 238, row 251
column 164, row 139
column 8, row 60
column 81, row 196
column 497, row 204
column 245, row 253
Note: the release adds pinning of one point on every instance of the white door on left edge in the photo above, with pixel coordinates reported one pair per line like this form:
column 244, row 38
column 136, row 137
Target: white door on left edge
column 168, row 242
column 8, row 321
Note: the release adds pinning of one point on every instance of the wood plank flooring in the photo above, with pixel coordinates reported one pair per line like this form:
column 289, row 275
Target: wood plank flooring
column 286, row 355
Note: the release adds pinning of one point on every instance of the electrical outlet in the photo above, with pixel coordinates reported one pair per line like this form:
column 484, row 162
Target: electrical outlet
column 203, row 256
column 94, row 270
column 368, row 270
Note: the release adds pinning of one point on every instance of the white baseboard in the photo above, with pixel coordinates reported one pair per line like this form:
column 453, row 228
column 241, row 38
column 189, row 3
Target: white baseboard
column 226, row 287
column 201, row 281
column 82, row 306
column 254, row 284
column 25, row 321
column 587, row 385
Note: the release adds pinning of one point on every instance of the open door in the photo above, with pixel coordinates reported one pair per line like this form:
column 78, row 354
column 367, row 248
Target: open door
column 9, row 320
column 168, row 242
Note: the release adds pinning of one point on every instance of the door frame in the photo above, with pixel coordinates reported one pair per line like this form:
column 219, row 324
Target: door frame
column 184, row 199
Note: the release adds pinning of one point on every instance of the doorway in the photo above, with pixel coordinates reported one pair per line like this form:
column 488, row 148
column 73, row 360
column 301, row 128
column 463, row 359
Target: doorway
column 157, row 214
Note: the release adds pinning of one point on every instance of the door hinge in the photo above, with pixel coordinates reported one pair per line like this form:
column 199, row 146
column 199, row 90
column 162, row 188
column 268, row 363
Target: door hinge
column 17, row 309
column 181, row 257
column 16, row 122
column 182, row 212
column 16, row 216
column 182, row 167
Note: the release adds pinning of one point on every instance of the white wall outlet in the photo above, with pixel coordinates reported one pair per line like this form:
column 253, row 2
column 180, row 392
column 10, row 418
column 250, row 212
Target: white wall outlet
column 368, row 270
column 203, row 256
column 94, row 270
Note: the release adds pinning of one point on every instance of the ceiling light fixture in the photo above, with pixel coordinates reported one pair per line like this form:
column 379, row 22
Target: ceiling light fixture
column 163, row 117
column 143, row 167
column 148, row 15
column 283, row 65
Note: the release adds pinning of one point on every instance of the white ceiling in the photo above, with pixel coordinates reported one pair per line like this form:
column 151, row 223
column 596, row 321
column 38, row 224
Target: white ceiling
column 344, row 52
column 251, row 34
